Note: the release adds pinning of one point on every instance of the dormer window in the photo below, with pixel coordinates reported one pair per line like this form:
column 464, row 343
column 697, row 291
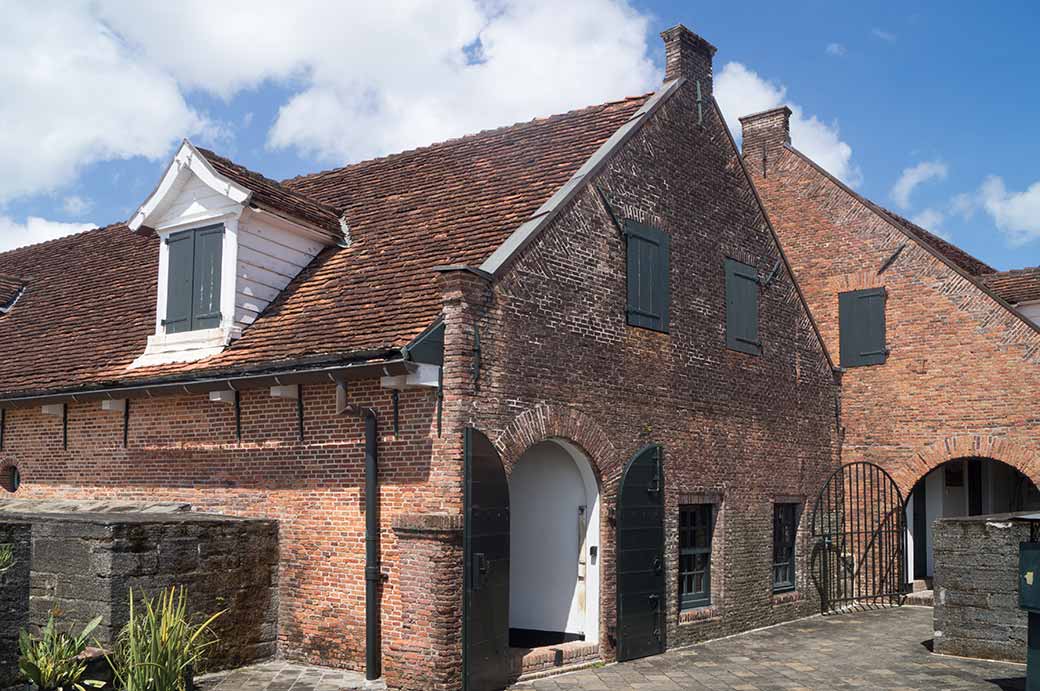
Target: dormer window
column 193, row 280
column 232, row 240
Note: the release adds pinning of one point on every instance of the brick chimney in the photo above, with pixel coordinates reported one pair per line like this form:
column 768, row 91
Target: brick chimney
column 763, row 133
column 687, row 55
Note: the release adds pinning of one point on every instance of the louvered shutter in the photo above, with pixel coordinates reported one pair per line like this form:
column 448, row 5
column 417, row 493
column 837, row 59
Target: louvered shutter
column 181, row 254
column 649, row 289
column 742, row 307
column 206, row 284
column 861, row 320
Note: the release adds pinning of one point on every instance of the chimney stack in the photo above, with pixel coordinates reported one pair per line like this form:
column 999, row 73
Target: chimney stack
column 687, row 55
column 763, row 133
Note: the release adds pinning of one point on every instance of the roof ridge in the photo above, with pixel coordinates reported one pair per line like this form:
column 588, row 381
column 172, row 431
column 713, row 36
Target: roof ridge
column 1019, row 270
column 78, row 233
column 290, row 182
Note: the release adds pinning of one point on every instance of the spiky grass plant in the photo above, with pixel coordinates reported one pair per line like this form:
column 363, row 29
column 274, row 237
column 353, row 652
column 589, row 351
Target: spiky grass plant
column 6, row 557
column 159, row 646
column 51, row 662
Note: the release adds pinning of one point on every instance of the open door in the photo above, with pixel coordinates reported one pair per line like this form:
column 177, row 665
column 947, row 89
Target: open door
column 485, row 623
column 640, row 557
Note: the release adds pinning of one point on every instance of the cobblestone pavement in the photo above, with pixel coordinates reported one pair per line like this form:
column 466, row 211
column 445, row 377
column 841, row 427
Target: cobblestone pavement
column 866, row 650
column 281, row 676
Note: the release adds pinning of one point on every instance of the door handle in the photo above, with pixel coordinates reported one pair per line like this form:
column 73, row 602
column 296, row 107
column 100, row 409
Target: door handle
column 655, row 602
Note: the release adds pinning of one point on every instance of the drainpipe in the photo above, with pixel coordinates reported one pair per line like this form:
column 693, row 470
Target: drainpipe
column 373, row 575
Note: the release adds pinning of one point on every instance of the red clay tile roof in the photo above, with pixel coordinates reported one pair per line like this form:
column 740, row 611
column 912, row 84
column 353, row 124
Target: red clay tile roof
column 10, row 288
column 90, row 305
column 968, row 263
column 1015, row 286
column 276, row 196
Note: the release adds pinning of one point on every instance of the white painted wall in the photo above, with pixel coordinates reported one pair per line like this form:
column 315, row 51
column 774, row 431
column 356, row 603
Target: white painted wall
column 548, row 484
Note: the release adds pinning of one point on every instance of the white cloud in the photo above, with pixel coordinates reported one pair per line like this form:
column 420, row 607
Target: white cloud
column 884, row 35
column 368, row 82
column 1017, row 214
column 964, row 205
column 914, row 176
column 35, row 230
column 741, row 91
column 76, row 205
column 836, row 49
column 74, row 95
column 932, row 219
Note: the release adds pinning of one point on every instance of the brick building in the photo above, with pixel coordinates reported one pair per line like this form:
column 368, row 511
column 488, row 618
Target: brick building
column 544, row 393
column 939, row 350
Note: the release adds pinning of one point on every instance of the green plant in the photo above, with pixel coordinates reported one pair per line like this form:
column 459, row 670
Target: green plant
column 159, row 646
column 6, row 557
column 50, row 662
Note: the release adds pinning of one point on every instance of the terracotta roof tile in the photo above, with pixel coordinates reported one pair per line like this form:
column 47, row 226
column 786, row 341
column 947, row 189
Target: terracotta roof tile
column 968, row 263
column 10, row 288
column 90, row 305
column 1015, row 286
column 276, row 196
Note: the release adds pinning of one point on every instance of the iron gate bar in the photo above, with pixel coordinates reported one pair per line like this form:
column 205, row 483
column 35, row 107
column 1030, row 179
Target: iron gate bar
column 859, row 531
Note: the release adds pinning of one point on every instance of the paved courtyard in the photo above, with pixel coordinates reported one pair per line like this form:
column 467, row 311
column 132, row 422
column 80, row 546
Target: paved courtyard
column 282, row 676
column 867, row 650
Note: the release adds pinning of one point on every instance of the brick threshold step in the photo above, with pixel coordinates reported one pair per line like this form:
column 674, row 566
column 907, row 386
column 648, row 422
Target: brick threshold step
column 921, row 598
column 536, row 663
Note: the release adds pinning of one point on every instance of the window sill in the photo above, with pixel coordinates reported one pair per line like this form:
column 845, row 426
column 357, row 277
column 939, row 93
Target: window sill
column 699, row 614
column 786, row 597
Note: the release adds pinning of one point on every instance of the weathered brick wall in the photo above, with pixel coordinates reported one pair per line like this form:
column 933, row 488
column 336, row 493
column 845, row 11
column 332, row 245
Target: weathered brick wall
column 961, row 379
column 14, row 598
column 559, row 361
column 183, row 449
column 976, row 588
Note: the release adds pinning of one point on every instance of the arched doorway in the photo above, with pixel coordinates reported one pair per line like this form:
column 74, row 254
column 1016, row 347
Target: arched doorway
column 554, row 547
column 960, row 487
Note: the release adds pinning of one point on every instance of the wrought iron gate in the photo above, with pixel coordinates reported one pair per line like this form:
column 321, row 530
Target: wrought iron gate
column 859, row 539
column 640, row 557
column 485, row 617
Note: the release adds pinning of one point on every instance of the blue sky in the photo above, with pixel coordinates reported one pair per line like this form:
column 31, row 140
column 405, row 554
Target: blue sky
column 927, row 108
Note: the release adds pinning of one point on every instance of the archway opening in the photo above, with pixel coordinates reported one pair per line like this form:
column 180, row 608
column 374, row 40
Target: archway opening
column 554, row 547
column 960, row 487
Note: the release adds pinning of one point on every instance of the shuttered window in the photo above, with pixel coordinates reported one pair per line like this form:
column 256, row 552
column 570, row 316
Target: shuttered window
column 648, row 281
column 742, row 307
column 861, row 317
column 193, row 285
column 785, row 530
column 696, row 525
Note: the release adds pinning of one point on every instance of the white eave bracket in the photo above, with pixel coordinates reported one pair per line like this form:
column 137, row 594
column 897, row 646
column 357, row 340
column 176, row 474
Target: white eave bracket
column 424, row 375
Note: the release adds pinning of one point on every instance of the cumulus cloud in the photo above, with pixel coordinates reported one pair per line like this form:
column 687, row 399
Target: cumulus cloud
column 836, row 49
column 367, row 82
column 914, row 176
column 741, row 91
column 74, row 95
column 1016, row 214
column 35, row 230
column 884, row 35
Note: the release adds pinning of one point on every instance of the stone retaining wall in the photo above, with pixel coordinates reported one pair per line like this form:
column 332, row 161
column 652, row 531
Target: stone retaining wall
column 976, row 587
column 14, row 599
column 84, row 566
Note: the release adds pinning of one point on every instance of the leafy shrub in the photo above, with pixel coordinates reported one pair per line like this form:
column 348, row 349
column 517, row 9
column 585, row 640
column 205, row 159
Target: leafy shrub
column 51, row 663
column 159, row 646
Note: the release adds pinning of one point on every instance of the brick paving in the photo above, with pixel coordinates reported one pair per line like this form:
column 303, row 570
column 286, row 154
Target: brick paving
column 281, row 676
column 866, row 650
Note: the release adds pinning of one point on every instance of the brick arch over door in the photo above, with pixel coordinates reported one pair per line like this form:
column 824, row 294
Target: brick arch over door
column 545, row 422
column 1013, row 452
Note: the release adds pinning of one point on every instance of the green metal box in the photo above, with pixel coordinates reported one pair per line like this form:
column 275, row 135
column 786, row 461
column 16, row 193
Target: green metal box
column 1029, row 576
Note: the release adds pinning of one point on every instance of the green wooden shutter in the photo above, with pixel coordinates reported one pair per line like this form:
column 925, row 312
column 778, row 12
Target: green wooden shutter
column 742, row 308
column 861, row 321
column 205, row 306
column 181, row 248
column 649, row 289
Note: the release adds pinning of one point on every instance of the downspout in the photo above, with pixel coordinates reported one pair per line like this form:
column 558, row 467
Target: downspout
column 373, row 575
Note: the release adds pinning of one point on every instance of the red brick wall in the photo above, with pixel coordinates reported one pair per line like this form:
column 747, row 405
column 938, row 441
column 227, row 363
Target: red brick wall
column 962, row 376
column 559, row 361
column 183, row 449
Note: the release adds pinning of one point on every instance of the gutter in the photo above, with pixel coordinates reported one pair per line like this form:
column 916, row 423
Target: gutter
column 235, row 382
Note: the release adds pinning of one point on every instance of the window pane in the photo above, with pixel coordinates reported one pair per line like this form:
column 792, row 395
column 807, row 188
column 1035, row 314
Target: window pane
column 695, row 530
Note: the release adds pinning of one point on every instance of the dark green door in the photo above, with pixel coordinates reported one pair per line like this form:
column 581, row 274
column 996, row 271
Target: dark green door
column 640, row 557
column 485, row 627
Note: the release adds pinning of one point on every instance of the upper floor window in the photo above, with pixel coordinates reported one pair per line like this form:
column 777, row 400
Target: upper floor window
column 193, row 286
column 696, row 525
column 785, row 530
column 742, row 307
column 861, row 321
column 648, row 281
